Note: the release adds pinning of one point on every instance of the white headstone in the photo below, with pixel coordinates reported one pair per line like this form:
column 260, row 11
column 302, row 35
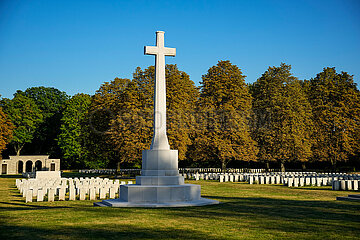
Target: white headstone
column 72, row 193
column 290, row 182
column 40, row 195
column 343, row 185
column 62, row 193
column 82, row 194
column 349, row 185
column 29, row 195
column 112, row 193
column 102, row 193
column 356, row 185
column 51, row 195
column 221, row 179
column 251, row 180
column 92, row 194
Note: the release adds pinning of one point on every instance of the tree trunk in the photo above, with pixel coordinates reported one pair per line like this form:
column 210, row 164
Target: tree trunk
column 118, row 167
column 282, row 166
column 333, row 162
column 18, row 149
column 267, row 166
column 223, row 166
column 303, row 166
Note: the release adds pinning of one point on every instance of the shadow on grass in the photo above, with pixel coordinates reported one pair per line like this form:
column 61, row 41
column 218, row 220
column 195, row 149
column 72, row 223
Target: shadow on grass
column 12, row 176
column 115, row 231
column 315, row 188
column 331, row 219
column 289, row 208
column 17, row 195
column 11, row 206
column 297, row 210
column 282, row 215
column 267, row 215
column 269, row 207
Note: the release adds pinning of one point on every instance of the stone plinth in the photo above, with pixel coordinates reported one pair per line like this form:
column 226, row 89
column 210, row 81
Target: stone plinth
column 48, row 175
column 158, row 196
column 159, row 185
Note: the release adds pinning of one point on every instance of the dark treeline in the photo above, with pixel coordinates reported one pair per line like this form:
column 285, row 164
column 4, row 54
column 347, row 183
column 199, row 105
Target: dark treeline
column 276, row 122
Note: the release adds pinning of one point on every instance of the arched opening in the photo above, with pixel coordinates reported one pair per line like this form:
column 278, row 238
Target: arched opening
column 4, row 169
column 38, row 165
column 20, row 167
column 29, row 166
column 52, row 167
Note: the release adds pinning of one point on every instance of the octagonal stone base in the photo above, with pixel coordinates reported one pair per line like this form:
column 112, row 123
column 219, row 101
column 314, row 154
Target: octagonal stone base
column 158, row 196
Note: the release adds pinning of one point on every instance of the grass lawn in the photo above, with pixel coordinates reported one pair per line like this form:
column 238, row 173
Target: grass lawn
column 247, row 212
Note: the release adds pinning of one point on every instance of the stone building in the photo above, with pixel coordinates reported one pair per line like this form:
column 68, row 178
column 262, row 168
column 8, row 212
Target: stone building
column 30, row 163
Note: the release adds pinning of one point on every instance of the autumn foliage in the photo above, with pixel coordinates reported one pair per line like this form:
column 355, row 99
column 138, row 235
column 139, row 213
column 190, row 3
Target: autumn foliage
column 277, row 121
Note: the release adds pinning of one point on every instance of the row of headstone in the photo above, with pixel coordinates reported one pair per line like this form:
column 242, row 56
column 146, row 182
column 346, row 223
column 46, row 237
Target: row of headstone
column 69, row 189
column 181, row 170
column 201, row 176
column 228, row 170
column 308, row 181
column 338, row 181
column 98, row 171
column 301, row 179
column 349, row 185
column 111, row 171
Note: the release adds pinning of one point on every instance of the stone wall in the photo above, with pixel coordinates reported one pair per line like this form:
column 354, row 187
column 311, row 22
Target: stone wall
column 28, row 163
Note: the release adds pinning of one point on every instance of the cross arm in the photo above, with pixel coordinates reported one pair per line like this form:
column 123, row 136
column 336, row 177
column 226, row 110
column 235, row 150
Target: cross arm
column 170, row 51
column 151, row 50
column 155, row 50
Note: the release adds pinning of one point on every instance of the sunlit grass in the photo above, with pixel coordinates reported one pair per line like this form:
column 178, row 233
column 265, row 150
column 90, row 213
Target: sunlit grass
column 247, row 212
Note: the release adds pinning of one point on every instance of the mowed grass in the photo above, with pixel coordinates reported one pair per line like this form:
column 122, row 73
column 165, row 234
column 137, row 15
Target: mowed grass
column 247, row 212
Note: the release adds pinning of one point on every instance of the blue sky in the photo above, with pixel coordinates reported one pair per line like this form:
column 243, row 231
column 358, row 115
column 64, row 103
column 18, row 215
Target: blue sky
column 75, row 46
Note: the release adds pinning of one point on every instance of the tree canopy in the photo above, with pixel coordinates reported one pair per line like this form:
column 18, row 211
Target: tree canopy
column 224, row 109
column 282, row 117
column 50, row 101
column 278, row 120
column 6, row 130
column 335, row 102
column 70, row 139
column 131, row 129
column 26, row 117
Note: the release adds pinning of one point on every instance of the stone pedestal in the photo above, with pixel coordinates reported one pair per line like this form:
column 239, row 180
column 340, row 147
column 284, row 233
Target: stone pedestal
column 48, row 175
column 159, row 185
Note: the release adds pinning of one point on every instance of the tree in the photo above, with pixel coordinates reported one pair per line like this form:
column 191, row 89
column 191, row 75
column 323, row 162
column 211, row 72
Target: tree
column 105, row 105
column 223, row 132
column 335, row 104
column 282, row 117
column 6, row 130
column 26, row 117
column 131, row 127
column 131, row 130
column 70, row 139
column 51, row 102
column 181, row 97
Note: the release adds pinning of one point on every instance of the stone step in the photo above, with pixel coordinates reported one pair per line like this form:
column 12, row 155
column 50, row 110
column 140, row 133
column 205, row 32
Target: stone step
column 99, row 204
column 348, row 199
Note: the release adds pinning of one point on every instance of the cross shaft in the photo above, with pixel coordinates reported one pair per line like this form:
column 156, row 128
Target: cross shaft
column 160, row 140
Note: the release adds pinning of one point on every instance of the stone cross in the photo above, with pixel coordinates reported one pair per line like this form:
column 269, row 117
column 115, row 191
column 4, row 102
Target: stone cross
column 160, row 184
column 160, row 140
